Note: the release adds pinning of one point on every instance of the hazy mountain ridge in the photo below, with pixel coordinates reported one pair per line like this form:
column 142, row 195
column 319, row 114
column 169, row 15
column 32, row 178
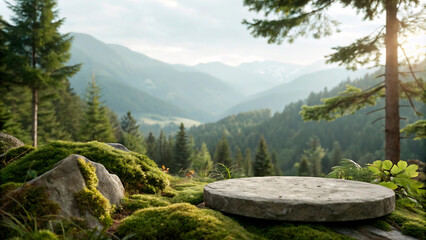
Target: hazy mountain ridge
column 201, row 95
column 205, row 92
column 279, row 96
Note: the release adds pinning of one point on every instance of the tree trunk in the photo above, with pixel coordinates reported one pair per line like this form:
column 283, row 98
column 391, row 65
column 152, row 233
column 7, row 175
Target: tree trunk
column 35, row 112
column 392, row 145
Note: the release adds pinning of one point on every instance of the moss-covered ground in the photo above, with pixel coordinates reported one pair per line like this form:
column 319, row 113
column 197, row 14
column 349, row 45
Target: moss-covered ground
column 160, row 206
column 137, row 172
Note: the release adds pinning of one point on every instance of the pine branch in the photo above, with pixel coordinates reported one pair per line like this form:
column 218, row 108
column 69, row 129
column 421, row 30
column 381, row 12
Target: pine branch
column 347, row 102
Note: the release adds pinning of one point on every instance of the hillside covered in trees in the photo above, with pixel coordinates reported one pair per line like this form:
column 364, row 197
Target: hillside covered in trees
column 355, row 136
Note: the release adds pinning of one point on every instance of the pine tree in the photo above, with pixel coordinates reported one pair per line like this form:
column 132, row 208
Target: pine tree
column 247, row 163
column 203, row 162
column 161, row 153
column 129, row 124
column 239, row 159
column 131, row 136
column 182, row 153
column 40, row 50
column 169, row 154
column 262, row 163
column 313, row 155
column 223, row 153
column 96, row 124
column 303, row 168
column 300, row 18
column 151, row 146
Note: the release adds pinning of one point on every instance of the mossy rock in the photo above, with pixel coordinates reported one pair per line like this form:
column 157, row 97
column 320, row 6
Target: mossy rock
column 137, row 172
column 181, row 221
column 414, row 229
column 14, row 154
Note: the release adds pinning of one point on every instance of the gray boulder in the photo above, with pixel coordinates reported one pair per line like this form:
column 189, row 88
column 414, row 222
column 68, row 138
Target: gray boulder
column 65, row 179
column 118, row 146
column 8, row 142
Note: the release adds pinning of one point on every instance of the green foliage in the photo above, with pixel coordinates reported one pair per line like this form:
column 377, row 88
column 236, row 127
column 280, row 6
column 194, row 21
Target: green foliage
column 262, row 163
column 132, row 137
column 151, row 145
column 295, row 19
column 222, row 154
column 29, row 201
column 137, row 172
column 181, row 153
column 96, row 124
column 398, row 177
column 311, row 158
column 181, row 221
column 38, row 50
column 418, row 129
column 202, row 162
column 350, row 170
column 7, row 187
column 14, row 153
column 247, row 163
column 347, row 102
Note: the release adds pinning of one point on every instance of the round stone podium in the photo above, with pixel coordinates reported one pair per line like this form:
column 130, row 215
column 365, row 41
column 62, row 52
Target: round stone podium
column 305, row 199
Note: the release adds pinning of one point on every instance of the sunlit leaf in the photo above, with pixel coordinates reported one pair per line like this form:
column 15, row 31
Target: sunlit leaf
column 387, row 165
column 390, row 185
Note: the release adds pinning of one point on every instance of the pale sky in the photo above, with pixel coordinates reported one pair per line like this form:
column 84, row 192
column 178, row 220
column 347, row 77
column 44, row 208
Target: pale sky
column 197, row 31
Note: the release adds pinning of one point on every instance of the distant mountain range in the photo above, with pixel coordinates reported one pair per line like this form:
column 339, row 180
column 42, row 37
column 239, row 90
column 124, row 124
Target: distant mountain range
column 131, row 81
column 152, row 89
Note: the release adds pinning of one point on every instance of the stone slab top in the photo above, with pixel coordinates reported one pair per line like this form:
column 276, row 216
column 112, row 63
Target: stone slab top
column 300, row 198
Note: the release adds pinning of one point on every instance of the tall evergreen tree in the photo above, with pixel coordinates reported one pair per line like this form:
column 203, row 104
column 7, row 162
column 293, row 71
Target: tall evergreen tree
column 262, row 163
column 161, row 153
column 203, row 162
column 223, row 153
column 131, row 136
column 96, row 125
column 169, row 154
column 182, row 151
column 247, row 163
column 129, row 124
column 42, row 51
column 151, row 145
column 239, row 159
column 299, row 18
column 313, row 155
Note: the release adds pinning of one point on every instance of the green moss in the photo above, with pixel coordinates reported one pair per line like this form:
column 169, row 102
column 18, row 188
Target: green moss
column 414, row 229
column 188, row 190
column 411, row 221
column 38, row 235
column 137, row 172
column 381, row 224
column 14, row 154
column 7, row 187
column 140, row 201
column 30, row 200
column 90, row 198
column 302, row 232
column 181, row 221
